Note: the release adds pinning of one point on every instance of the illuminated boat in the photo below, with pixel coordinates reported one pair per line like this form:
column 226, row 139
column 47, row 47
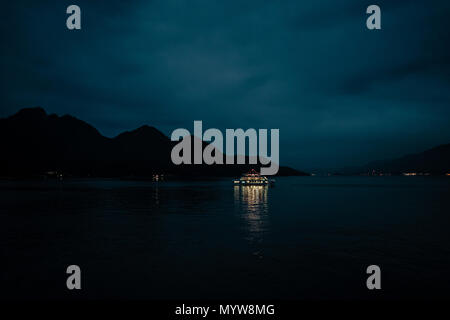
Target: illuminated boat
column 253, row 178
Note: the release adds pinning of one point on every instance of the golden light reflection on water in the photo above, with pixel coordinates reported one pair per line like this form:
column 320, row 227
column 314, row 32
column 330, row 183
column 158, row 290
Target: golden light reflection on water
column 254, row 209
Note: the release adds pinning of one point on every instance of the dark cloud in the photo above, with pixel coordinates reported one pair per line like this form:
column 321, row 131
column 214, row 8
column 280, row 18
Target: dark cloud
column 339, row 93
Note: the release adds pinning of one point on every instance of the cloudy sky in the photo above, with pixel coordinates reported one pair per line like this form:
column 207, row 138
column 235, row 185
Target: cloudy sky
column 339, row 93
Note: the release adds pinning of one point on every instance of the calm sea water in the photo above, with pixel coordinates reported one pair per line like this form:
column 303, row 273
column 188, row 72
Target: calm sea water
column 306, row 238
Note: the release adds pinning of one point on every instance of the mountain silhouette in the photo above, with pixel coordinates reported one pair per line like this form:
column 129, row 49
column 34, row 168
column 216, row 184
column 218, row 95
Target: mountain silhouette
column 35, row 143
column 434, row 161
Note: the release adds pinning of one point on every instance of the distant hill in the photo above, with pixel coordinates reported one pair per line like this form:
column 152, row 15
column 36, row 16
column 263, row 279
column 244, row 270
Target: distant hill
column 34, row 143
column 435, row 161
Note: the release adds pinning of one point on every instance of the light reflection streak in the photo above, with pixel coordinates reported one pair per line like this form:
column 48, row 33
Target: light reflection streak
column 253, row 204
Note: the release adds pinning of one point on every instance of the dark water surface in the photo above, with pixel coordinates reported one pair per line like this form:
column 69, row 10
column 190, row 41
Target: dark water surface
column 308, row 237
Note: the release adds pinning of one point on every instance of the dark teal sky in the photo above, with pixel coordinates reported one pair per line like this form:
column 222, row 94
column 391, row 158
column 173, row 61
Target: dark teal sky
column 339, row 93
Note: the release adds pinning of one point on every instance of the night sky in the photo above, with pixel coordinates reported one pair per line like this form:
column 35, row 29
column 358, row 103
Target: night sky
column 339, row 93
